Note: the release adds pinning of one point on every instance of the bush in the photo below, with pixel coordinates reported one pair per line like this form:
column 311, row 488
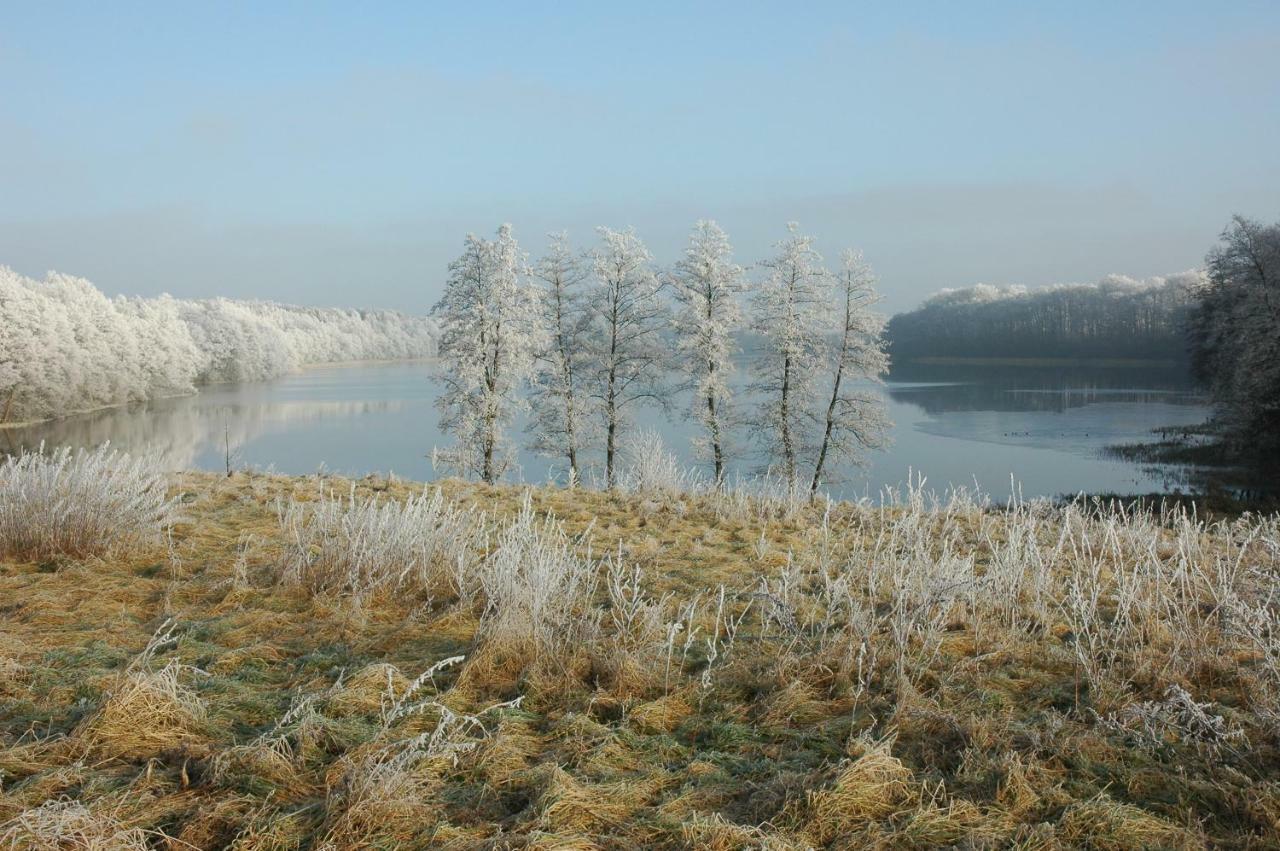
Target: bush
column 86, row 503
column 361, row 546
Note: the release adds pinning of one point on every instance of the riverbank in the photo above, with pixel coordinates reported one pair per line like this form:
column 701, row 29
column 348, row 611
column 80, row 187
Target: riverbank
column 278, row 671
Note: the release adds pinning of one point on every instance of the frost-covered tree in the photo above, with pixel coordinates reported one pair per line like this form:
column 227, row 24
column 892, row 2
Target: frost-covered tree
column 628, row 316
column 706, row 287
column 489, row 333
column 1235, row 335
column 9, row 374
column 789, row 310
column 854, row 419
column 561, row 423
column 66, row 347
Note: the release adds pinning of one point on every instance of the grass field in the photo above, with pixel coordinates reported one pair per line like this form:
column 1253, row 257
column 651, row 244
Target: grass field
column 310, row 663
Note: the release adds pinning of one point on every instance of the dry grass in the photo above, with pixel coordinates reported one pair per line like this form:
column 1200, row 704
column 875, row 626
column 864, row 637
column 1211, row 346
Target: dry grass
column 491, row 667
column 60, row 824
column 79, row 504
column 871, row 788
column 366, row 547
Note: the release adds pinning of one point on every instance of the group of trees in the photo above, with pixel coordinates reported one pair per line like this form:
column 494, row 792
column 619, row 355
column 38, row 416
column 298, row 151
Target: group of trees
column 1235, row 336
column 66, row 347
column 584, row 338
column 1118, row 317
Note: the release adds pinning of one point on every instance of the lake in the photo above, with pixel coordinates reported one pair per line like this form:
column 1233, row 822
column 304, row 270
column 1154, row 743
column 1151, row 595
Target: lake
column 1047, row 429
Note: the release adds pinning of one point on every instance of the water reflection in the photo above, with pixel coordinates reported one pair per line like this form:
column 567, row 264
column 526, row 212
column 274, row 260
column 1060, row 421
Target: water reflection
column 962, row 426
column 939, row 389
column 188, row 431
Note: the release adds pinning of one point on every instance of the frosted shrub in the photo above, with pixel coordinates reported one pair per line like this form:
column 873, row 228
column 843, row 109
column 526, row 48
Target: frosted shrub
column 760, row 498
column 86, row 503
column 650, row 468
column 536, row 587
column 361, row 546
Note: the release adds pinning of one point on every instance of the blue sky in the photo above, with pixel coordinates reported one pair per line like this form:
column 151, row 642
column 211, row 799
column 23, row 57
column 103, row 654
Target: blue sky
column 336, row 154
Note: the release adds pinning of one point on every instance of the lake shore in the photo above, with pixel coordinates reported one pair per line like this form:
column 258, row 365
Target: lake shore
column 810, row 697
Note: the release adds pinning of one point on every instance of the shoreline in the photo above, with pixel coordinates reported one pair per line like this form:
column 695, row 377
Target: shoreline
column 196, row 391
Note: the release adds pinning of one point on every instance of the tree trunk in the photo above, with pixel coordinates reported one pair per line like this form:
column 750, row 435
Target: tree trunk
column 835, row 390
column 611, row 400
column 826, row 436
column 716, row 449
column 609, row 449
column 788, row 450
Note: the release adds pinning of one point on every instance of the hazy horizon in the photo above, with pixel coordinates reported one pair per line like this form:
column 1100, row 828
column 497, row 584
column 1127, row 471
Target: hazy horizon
column 337, row 157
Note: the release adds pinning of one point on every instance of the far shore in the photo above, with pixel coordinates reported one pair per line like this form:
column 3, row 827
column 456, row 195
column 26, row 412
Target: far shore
column 1096, row 362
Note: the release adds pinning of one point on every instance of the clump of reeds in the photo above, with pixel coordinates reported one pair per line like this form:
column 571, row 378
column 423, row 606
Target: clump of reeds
column 81, row 503
column 537, row 588
column 363, row 546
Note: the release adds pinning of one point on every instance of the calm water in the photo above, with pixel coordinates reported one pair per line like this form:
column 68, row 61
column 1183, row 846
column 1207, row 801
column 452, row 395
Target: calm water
column 955, row 425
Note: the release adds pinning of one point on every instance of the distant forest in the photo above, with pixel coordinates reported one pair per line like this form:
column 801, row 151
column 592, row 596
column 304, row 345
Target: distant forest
column 67, row 347
column 1118, row 317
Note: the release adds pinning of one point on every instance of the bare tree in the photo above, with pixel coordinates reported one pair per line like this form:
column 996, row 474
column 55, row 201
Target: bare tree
column 788, row 310
column 561, row 422
column 628, row 317
column 855, row 418
column 706, row 285
column 488, row 337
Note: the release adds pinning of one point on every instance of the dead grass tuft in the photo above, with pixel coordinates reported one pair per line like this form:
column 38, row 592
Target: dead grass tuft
column 567, row 805
column 64, row 824
column 146, row 713
column 873, row 787
column 1108, row 825
column 716, row 833
column 662, row 715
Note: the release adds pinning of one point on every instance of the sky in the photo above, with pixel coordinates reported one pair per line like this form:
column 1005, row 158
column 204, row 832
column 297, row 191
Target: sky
column 337, row 154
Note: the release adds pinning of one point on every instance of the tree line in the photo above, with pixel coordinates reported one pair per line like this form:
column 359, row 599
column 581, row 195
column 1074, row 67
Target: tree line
column 1117, row 317
column 1234, row 336
column 583, row 338
column 67, row 347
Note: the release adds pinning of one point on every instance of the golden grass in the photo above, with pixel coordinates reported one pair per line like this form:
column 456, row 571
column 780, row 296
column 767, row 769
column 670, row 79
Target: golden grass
column 871, row 788
column 59, row 824
column 274, row 719
column 145, row 714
